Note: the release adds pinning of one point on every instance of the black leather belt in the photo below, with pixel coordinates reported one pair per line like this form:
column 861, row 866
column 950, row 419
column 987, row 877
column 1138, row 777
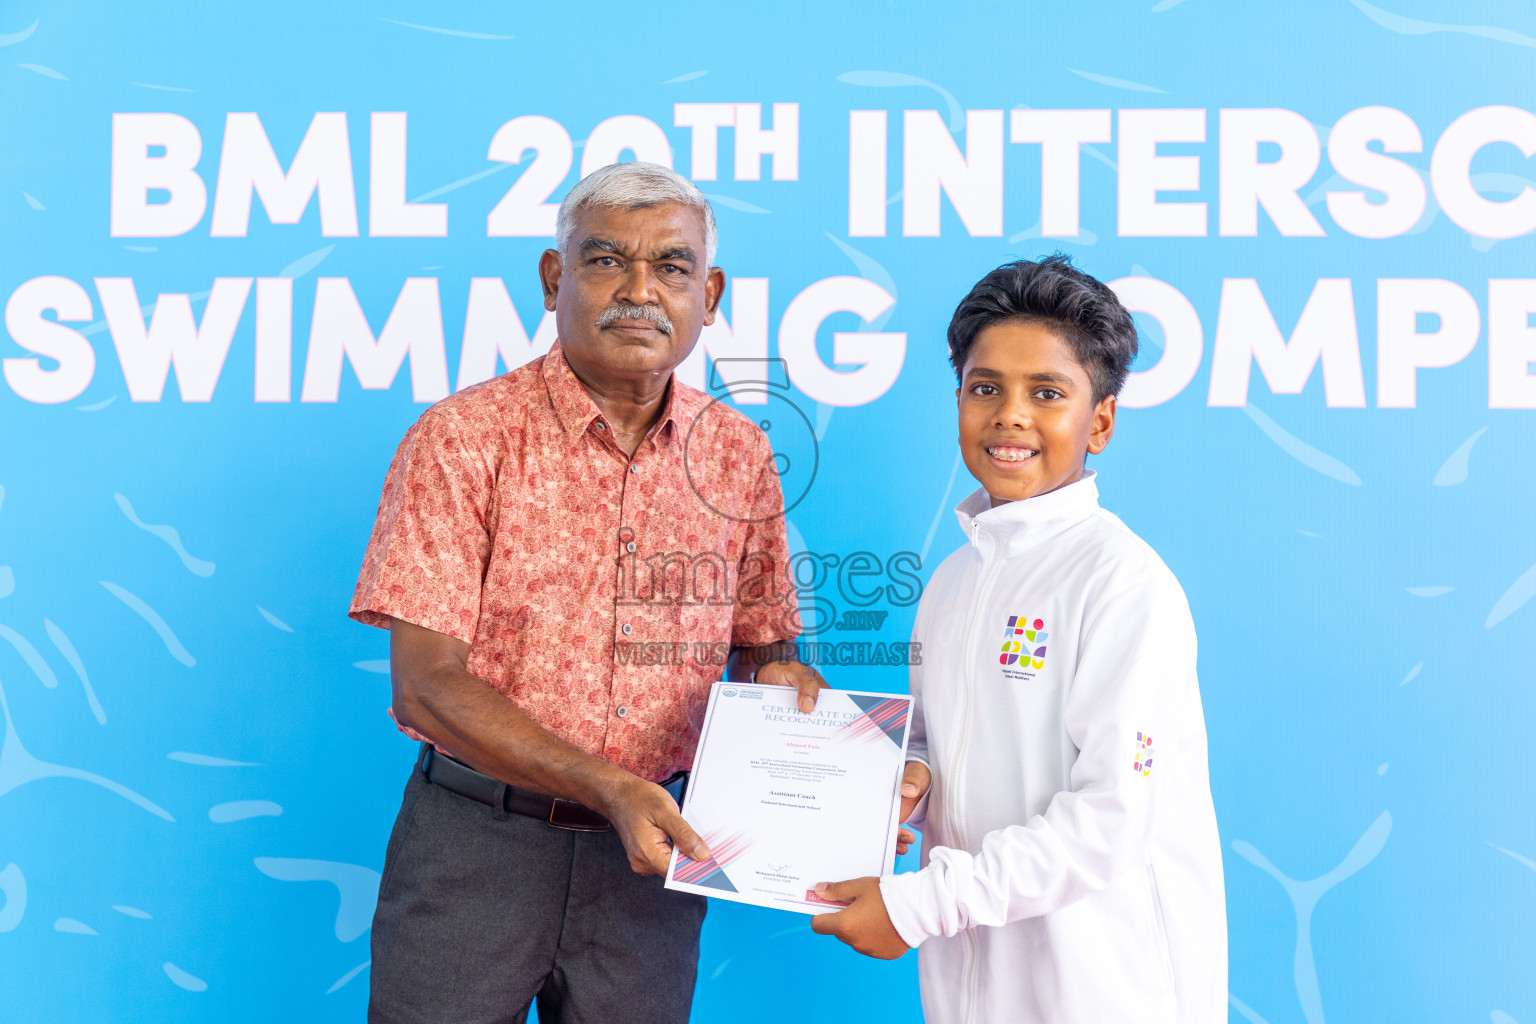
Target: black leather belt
column 457, row 777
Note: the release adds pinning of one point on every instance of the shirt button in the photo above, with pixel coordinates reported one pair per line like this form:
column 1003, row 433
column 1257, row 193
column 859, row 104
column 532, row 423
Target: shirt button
column 628, row 629
column 634, row 467
column 601, row 425
column 630, row 546
column 621, row 711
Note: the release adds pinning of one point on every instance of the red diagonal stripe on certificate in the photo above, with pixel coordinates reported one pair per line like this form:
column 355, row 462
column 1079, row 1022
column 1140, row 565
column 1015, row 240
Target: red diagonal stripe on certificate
column 722, row 850
column 879, row 720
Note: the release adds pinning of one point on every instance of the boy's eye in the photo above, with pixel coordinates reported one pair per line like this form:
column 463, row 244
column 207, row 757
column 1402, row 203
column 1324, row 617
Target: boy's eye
column 1049, row 394
column 984, row 390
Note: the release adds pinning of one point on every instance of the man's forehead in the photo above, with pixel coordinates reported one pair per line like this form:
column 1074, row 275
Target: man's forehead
column 646, row 230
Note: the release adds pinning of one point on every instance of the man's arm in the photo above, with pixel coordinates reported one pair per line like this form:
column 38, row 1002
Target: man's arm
column 435, row 695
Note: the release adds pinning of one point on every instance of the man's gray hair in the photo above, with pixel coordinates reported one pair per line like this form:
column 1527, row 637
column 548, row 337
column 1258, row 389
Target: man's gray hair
column 634, row 186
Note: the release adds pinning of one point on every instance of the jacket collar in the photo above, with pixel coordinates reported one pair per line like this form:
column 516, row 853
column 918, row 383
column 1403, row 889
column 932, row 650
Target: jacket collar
column 1019, row 524
column 576, row 410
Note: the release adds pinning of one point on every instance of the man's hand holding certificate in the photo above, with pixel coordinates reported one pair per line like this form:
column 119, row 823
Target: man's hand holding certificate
column 786, row 799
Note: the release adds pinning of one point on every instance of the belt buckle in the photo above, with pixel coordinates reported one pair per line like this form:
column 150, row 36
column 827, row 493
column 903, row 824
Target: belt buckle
column 571, row 820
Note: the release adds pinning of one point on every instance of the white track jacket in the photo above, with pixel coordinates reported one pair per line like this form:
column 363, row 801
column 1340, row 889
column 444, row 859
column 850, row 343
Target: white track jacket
column 1071, row 866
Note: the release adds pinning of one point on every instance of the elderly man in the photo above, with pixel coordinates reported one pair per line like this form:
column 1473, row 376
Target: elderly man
column 537, row 533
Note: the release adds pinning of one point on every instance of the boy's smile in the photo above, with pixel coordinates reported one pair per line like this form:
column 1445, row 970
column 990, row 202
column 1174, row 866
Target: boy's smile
column 1027, row 414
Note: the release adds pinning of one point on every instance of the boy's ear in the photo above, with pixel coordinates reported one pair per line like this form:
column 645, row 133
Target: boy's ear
column 1103, row 427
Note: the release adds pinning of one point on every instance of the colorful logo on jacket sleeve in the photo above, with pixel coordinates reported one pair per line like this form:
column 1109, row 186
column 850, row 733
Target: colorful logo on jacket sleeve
column 1144, row 752
column 1023, row 642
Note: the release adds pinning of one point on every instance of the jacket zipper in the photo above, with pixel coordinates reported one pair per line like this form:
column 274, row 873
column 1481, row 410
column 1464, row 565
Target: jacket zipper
column 971, row 950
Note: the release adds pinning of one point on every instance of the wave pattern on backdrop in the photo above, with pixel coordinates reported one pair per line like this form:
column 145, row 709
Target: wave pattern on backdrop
column 243, row 254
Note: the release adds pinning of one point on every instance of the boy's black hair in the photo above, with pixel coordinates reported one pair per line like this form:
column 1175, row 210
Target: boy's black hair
column 1056, row 294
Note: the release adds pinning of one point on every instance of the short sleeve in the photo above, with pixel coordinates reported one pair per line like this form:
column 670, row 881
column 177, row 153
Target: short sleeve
column 766, row 610
column 426, row 560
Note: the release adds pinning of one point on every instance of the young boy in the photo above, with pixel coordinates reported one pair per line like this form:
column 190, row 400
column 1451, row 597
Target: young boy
column 1071, row 869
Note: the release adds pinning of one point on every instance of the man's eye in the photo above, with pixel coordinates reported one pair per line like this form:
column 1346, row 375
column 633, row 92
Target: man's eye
column 984, row 390
column 1049, row 394
column 671, row 268
column 607, row 261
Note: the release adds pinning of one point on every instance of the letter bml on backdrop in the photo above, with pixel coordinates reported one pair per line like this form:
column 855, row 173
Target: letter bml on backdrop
column 224, row 235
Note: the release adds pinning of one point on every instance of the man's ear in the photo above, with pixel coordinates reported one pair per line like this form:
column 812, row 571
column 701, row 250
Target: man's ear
column 714, row 291
column 1103, row 427
column 550, row 267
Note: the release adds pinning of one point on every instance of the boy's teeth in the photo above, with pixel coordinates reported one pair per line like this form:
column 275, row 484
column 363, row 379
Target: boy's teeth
column 1011, row 454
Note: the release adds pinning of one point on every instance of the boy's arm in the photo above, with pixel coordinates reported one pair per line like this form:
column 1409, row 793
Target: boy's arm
column 1135, row 677
column 915, row 782
column 865, row 925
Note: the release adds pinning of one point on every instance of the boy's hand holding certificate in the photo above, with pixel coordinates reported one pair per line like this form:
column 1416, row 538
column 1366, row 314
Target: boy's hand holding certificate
column 786, row 799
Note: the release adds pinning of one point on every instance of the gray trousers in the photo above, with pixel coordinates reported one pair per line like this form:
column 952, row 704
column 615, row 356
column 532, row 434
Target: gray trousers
column 481, row 913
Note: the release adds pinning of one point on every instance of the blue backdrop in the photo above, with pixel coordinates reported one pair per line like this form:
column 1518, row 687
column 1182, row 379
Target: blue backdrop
column 197, row 775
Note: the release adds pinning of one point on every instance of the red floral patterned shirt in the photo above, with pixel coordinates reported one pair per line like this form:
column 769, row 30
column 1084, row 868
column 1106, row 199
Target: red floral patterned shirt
column 598, row 592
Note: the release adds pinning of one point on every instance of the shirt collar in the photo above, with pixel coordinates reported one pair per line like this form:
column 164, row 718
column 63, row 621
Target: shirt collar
column 684, row 404
column 1019, row 523
column 576, row 410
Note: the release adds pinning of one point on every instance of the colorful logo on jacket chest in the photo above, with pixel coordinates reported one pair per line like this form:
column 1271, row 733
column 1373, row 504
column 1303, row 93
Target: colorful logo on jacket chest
column 1023, row 642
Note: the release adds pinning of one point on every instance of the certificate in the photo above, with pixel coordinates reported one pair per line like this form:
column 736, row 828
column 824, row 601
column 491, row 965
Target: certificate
column 787, row 799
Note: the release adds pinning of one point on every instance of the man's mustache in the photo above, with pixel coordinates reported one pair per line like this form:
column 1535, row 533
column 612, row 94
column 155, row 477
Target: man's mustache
column 626, row 311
